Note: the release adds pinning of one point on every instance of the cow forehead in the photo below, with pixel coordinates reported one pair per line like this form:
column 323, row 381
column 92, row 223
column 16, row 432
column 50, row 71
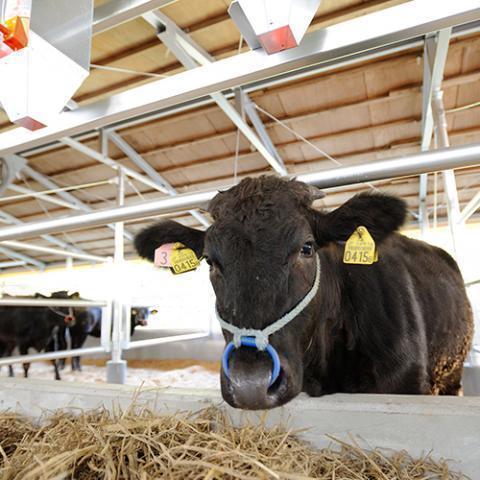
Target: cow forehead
column 266, row 196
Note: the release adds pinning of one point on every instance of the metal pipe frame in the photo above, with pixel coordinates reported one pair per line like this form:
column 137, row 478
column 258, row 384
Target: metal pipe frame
column 116, row 12
column 340, row 41
column 17, row 263
column 47, row 302
column 150, row 342
column 434, row 59
column 21, row 256
column 451, row 194
column 422, row 162
column 90, row 152
column 471, row 207
column 55, row 251
column 141, row 163
column 304, row 72
column 41, row 196
column 191, row 55
column 39, row 357
column 55, row 241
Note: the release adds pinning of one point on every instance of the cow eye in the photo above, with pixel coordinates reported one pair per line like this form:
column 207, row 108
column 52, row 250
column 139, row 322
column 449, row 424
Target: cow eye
column 307, row 249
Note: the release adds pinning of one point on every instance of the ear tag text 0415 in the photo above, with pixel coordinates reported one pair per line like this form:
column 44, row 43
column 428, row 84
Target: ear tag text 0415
column 177, row 257
column 360, row 248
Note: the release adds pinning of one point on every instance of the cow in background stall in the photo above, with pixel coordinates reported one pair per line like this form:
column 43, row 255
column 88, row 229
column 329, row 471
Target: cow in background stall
column 90, row 323
column 40, row 328
column 297, row 316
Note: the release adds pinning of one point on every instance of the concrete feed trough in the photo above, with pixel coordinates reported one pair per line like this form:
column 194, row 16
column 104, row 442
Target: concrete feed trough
column 448, row 426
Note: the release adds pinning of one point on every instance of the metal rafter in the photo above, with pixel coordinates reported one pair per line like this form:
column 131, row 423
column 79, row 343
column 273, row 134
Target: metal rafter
column 136, row 158
column 472, row 206
column 192, row 55
column 53, row 251
column 434, row 59
column 116, row 12
column 327, row 46
column 41, row 196
column 7, row 217
column 22, row 257
column 47, row 182
column 90, row 152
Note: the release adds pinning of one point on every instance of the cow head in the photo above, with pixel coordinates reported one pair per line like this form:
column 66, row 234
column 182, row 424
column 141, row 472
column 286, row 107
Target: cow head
column 263, row 249
column 69, row 314
column 139, row 316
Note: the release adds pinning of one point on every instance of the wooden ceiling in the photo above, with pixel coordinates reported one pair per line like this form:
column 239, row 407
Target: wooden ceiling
column 367, row 112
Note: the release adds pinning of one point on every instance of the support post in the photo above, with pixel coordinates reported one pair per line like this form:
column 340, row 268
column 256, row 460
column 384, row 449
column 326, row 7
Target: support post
column 453, row 206
column 116, row 367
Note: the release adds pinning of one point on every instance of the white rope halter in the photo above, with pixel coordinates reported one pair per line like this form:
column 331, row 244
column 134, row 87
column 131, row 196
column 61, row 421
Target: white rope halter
column 261, row 336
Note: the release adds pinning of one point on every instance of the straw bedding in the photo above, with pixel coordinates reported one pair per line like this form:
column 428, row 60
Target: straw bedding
column 138, row 444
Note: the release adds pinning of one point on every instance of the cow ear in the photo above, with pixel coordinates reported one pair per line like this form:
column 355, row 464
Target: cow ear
column 154, row 236
column 75, row 295
column 380, row 214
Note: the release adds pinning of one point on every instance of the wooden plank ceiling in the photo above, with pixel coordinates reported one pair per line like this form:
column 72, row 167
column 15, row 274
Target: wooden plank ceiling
column 360, row 114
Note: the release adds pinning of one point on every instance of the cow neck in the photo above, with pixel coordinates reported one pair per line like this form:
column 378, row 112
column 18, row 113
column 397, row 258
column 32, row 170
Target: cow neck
column 261, row 336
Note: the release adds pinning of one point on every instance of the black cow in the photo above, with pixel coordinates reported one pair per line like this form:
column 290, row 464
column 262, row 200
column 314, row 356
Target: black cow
column 400, row 325
column 90, row 323
column 34, row 327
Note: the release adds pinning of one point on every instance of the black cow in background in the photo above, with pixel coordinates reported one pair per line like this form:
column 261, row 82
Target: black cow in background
column 34, row 327
column 90, row 323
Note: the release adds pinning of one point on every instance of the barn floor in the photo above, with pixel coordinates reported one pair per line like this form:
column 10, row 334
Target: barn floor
column 153, row 373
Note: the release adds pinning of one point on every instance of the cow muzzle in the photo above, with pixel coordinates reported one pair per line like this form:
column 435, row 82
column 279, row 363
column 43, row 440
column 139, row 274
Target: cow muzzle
column 69, row 320
column 254, row 380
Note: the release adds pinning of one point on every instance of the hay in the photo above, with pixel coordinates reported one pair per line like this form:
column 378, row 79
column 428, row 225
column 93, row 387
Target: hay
column 138, row 444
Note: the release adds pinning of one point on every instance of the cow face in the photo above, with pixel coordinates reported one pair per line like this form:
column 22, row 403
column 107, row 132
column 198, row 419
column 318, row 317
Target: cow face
column 139, row 316
column 263, row 249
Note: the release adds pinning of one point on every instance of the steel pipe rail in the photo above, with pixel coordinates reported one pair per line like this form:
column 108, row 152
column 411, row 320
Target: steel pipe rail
column 55, row 251
column 39, row 357
column 415, row 164
column 340, row 41
column 150, row 342
column 47, row 302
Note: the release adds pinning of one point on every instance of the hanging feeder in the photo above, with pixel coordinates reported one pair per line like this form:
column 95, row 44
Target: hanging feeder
column 44, row 57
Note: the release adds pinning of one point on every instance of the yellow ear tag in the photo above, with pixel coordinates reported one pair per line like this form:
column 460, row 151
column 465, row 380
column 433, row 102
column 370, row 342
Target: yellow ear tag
column 360, row 248
column 183, row 259
column 179, row 258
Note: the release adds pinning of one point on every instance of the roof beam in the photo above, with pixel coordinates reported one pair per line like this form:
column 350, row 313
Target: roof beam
column 90, row 152
column 22, row 257
column 116, row 12
column 141, row 163
column 27, row 192
column 191, row 55
column 472, row 206
column 434, row 59
column 13, row 263
column 50, row 184
column 56, row 241
column 53, row 251
column 333, row 44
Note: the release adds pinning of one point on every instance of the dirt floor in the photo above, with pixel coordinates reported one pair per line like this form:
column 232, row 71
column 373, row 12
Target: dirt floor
column 157, row 373
column 167, row 364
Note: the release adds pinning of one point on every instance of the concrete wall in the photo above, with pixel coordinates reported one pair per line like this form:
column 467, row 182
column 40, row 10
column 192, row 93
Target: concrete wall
column 448, row 426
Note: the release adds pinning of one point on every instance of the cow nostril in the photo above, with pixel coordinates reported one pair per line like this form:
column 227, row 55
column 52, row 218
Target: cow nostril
column 275, row 386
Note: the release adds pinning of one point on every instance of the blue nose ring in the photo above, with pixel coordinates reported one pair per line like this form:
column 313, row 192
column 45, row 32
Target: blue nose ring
column 250, row 342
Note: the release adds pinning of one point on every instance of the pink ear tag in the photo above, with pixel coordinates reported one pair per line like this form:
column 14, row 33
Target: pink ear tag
column 163, row 255
column 177, row 257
